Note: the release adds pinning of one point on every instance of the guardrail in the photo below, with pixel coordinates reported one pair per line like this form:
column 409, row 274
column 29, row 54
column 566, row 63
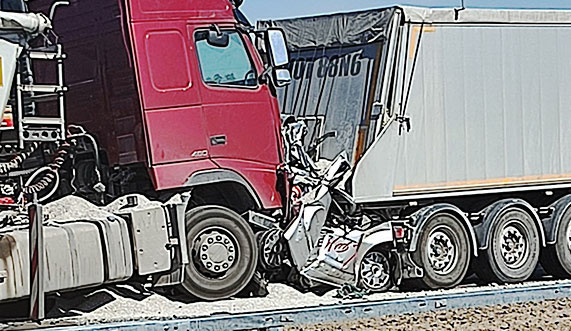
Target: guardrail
column 275, row 319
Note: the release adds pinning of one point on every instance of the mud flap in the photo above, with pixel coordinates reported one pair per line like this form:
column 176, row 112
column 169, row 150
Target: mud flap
column 409, row 268
column 397, row 267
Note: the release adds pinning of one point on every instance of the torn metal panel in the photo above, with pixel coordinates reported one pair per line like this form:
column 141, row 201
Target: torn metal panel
column 326, row 244
column 334, row 30
column 335, row 262
column 336, row 62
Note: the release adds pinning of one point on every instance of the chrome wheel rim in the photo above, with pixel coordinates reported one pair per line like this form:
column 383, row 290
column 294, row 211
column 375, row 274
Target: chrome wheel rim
column 216, row 250
column 375, row 271
column 513, row 245
column 442, row 254
column 271, row 248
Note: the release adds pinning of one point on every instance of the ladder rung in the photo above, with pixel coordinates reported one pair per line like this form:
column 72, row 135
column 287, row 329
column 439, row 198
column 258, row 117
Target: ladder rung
column 44, row 97
column 43, row 88
column 42, row 121
column 45, row 55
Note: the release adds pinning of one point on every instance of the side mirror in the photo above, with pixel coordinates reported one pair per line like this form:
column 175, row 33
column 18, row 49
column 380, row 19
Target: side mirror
column 282, row 77
column 217, row 39
column 278, row 56
column 276, row 44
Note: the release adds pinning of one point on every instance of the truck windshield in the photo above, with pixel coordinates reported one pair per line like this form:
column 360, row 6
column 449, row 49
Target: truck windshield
column 229, row 65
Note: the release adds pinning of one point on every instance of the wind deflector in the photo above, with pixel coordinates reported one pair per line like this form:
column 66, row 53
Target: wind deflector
column 337, row 65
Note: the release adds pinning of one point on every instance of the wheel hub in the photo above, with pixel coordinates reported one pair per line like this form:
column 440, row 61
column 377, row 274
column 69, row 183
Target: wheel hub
column 216, row 251
column 441, row 252
column 569, row 236
column 513, row 246
column 374, row 270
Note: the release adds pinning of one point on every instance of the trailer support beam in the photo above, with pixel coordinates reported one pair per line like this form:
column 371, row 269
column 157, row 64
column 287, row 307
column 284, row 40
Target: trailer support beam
column 37, row 308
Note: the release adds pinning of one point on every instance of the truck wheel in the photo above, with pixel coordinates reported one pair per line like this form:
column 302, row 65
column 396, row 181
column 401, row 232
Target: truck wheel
column 513, row 251
column 222, row 252
column 443, row 252
column 375, row 272
column 556, row 258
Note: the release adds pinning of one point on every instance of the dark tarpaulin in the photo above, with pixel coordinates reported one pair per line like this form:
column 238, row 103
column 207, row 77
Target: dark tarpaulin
column 335, row 30
column 336, row 62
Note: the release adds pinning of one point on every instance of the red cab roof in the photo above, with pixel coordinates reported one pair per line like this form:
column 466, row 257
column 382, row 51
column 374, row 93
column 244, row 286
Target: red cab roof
column 192, row 10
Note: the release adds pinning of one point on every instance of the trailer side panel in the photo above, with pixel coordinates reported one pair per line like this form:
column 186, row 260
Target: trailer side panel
column 489, row 107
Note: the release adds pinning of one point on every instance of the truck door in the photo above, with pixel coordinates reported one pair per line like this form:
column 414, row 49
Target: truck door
column 169, row 91
column 240, row 120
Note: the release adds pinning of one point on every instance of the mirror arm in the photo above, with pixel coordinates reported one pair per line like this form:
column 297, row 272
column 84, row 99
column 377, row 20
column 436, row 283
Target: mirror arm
column 245, row 29
column 264, row 77
column 216, row 28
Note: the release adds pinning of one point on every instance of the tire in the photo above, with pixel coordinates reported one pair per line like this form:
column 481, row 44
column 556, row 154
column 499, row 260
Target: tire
column 513, row 249
column 375, row 272
column 556, row 259
column 222, row 251
column 449, row 267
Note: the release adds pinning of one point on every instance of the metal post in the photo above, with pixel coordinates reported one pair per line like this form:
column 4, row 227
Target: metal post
column 37, row 310
column 19, row 106
column 61, row 97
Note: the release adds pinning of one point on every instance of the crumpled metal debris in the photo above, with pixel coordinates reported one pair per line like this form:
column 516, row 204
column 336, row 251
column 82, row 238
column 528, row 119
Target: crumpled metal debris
column 350, row 291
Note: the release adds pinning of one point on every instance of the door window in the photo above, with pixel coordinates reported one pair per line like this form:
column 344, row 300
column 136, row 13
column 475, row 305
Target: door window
column 225, row 65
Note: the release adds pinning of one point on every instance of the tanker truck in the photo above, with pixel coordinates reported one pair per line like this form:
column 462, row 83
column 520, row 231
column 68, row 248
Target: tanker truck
column 456, row 123
column 176, row 138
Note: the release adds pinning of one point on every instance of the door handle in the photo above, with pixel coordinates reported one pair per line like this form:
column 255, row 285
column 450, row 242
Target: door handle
column 218, row 140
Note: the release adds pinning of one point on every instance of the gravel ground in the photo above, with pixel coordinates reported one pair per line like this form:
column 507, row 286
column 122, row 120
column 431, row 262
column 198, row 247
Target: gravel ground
column 132, row 302
column 73, row 208
column 545, row 315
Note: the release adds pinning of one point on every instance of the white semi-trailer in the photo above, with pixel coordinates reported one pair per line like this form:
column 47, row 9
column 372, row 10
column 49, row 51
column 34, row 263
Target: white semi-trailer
column 462, row 133
column 485, row 169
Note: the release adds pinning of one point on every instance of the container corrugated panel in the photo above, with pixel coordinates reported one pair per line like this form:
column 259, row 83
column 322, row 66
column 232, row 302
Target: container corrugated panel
column 72, row 255
column 489, row 108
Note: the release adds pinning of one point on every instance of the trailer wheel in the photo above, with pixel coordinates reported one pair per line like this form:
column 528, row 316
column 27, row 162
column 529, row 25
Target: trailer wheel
column 444, row 252
column 513, row 251
column 556, row 258
column 375, row 272
column 222, row 253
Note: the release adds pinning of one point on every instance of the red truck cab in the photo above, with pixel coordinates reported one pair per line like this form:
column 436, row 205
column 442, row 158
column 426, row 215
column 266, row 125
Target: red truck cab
column 180, row 100
column 207, row 117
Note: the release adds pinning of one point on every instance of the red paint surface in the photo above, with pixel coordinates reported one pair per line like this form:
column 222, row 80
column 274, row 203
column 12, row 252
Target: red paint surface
column 206, row 10
column 176, row 134
column 167, row 72
column 176, row 174
column 181, row 113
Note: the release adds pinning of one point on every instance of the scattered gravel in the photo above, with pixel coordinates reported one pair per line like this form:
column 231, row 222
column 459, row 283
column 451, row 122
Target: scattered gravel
column 72, row 208
column 544, row 315
column 133, row 302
